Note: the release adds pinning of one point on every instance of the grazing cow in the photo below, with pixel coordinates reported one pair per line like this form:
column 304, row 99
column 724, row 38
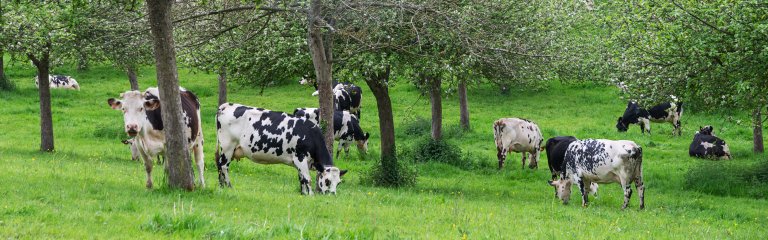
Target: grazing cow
column 556, row 148
column 601, row 161
column 347, row 96
column 60, row 81
column 269, row 137
column 517, row 135
column 665, row 112
column 707, row 145
column 141, row 114
column 346, row 128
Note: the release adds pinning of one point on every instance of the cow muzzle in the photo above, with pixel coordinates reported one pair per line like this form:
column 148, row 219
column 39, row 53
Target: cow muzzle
column 132, row 132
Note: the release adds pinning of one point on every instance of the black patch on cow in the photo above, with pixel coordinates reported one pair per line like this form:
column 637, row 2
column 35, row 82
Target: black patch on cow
column 218, row 124
column 696, row 148
column 556, row 148
column 660, row 111
column 240, row 110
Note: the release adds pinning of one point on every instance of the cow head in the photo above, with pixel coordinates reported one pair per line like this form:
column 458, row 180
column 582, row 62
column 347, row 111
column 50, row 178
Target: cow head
column 563, row 188
column 706, row 130
column 362, row 144
column 621, row 126
column 133, row 105
column 328, row 179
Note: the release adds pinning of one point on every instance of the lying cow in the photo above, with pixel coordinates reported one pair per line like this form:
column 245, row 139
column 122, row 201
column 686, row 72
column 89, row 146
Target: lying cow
column 346, row 128
column 269, row 137
column 141, row 114
column 601, row 161
column 60, row 81
column 707, row 145
column 556, row 148
column 517, row 135
column 665, row 112
column 346, row 96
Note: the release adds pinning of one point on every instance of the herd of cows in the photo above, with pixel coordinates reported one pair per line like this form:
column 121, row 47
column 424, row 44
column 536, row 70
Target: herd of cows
column 272, row 137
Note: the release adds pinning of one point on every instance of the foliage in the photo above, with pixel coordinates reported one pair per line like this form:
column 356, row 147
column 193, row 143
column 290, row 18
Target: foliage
column 34, row 28
column 429, row 150
column 417, row 126
column 388, row 173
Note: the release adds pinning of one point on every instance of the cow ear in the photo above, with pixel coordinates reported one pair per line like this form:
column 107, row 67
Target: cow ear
column 619, row 119
column 342, row 173
column 114, row 104
column 151, row 104
column 367, row 135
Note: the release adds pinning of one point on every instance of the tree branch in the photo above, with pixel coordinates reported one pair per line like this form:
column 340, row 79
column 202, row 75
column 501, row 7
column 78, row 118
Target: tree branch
column 702, row 20
column 241, row 8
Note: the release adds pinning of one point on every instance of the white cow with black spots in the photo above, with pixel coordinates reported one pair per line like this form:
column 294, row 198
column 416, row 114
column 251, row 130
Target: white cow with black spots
column 60, row 81
column 270, row 137
column 517, row 135
column 601, row 161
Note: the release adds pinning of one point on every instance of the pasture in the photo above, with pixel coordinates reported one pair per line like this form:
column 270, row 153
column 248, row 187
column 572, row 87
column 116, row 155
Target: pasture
column 89, row 187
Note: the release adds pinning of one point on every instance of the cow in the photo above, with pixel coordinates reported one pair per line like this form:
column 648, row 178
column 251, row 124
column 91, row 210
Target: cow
column 666, row 112
column 271, row 137
column 601, row 161
column 346, row 96
column 517, row 135
column 706, row 145
column 143, row 121
column 346, row 128
column 60, row 81
column 556, row 148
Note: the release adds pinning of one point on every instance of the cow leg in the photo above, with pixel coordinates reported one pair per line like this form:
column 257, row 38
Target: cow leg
column 304, row 178
column 525, row 155
column 148, row 167
column 223, row 159
column 647, row 124
column 535, row 159
column 640, row 190
column 338, row 149
column 584, row 192
column 199, row 160
column 501, row 154
column 626, row 185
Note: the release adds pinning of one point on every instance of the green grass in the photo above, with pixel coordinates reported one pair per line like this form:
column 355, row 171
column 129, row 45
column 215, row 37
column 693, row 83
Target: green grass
column 89, row 188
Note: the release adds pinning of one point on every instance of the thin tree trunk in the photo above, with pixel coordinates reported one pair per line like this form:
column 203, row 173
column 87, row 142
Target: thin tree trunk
column 435, row 98
column 2, row 64
column 132, row 78
column 757, row 130
column 46, row 117
column 222, row 85
column 82, row 61
column 463, row 105
column 378, row 86
column 321, row 59
column 178, row 166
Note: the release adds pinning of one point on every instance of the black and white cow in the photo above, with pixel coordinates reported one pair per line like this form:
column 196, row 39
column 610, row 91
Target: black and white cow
column 556, row 148
column 707, row 145
column 601, row 161
column 346, row 96
column 270, row 137
column 517, row 135
column 60, row 81
column 141, row 114
column 346, row 128
column 665, row 112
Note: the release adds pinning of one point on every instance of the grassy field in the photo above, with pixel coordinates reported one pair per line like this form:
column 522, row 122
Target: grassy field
column 90, row 189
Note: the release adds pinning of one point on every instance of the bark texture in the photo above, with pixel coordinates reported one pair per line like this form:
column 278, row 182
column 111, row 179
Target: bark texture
column 178, row 165
column 131, row 72
column 436, row 100
column 321, row 59
column 378, row 85
column 757, row 130
column 222, row 85
column 44, row 89
column 463, row 105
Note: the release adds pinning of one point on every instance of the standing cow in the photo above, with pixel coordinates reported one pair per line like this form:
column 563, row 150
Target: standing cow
column 601, row 161
column 60, row 81
column 269, row 137
column 706, row 145
column 517, row 135
column 346, row 96
column 665, row 112
column 141, row 114
column 346, row 128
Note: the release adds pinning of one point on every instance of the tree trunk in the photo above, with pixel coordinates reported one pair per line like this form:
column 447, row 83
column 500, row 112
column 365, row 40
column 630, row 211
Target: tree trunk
column 2, row 65
column 82, row 60
column 222, row 85
column 46, row 117
column 321, row 59
column 435, row 98
column 757, row 130
column 178, row 167
column 463, row 105
column 378, row 86
column 132, row 78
